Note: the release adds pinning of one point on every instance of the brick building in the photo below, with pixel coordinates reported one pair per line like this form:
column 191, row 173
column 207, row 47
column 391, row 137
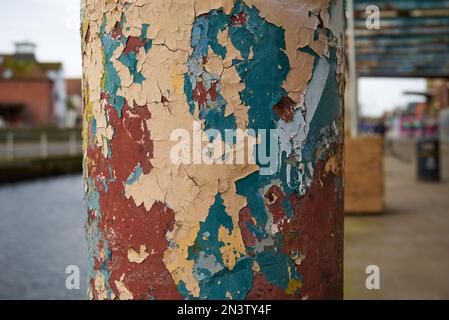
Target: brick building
column 74, row 102
column 32, row 93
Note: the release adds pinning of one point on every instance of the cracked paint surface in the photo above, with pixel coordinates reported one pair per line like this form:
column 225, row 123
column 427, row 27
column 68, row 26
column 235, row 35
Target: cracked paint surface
column 158, row 230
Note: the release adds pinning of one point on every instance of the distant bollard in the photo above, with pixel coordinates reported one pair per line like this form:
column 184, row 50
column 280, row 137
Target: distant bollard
column 10, row 146
column 428, row 160
column 44, row 146
column 444, row 126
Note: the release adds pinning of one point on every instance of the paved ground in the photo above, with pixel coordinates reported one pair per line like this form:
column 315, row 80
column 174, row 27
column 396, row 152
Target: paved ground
column 409, row 243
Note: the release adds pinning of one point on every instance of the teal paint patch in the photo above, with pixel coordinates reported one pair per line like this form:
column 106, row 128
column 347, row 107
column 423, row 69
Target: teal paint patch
column 263, row 68
column 320, row 130
column 267, row 43
column 207, row 241
column 215, row 119
column 189, row 93
column 263, row 76
column 287, row 205
column 92, row 197
column 144, row 37
column 324, row 115
column 226, row 284
column 265, row 73
column 320, row 133
column 130, row 61
column 217, row 22
column 111, row 79
column 278, row 268
column 202, row 88
column 181, row 287
column 249, row 188
column 135, row 175
column 111, row 42
column 111, row 175
column 105, row 185
column 95, row 239
column 215, row 280
column 309, row 50
column 94, row 127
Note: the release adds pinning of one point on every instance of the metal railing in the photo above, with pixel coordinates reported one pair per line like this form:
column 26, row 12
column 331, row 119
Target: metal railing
column 17, row 144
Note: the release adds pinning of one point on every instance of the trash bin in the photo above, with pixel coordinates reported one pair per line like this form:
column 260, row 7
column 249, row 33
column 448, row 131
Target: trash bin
column 428, row 159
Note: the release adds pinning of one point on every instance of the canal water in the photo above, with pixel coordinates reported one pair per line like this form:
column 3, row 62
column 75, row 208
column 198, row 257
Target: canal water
column 41, row 234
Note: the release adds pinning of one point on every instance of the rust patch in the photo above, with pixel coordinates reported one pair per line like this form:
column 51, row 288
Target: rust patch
column 245, row 219
column 124, row 225
column 275, row 199
column 262, row 289
column 239, row 19
column 285, row 109
column 133, row 44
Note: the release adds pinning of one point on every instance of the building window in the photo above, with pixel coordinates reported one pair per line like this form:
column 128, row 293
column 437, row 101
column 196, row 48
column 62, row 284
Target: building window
column 7, row 74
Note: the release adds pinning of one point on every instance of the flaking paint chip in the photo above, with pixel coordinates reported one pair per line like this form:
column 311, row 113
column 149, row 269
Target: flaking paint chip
column 124, row 293
column 138, row 257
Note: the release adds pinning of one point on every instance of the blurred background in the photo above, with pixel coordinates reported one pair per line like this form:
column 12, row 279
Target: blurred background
column 397, row 149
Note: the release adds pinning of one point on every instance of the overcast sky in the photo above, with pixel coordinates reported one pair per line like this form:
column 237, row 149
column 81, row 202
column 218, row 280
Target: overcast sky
column 380, row 94
column 54, row 26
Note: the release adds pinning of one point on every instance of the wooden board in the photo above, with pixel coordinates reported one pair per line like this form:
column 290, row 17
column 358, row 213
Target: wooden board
column 364, row 175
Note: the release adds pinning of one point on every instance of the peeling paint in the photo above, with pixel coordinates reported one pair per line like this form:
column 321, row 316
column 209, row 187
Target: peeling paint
column 124, row 293
column 160, row 230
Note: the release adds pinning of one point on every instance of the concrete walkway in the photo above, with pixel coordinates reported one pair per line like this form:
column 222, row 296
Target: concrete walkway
column 409, row 243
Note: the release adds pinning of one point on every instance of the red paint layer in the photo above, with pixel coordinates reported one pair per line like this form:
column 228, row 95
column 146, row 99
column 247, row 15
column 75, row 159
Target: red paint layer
column 133, row 44
column 124, row 225
column 264, row 290
column 275, row 199
column 315, row 231
column 201, row 94
column 245, row 219
column 285, row 109
column 239, row 19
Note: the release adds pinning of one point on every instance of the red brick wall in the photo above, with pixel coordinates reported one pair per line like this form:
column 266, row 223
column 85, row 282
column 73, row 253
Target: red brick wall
column 36, row 95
